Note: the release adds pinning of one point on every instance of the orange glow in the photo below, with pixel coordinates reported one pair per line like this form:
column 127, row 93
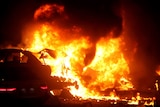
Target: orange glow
column 46, row 11
column 158, row 70
column 107, row 69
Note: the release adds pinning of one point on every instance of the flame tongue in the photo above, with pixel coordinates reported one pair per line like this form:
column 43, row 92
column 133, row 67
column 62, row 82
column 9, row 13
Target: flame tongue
column 108, row 66
column 108, row 69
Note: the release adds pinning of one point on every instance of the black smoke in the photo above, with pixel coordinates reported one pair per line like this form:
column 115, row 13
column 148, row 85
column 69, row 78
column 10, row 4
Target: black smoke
column 143, row 29
column 14, row 14
column 97, row 18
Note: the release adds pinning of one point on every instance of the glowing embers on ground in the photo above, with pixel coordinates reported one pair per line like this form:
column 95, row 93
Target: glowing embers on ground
column 138, row 100
column 66, row 52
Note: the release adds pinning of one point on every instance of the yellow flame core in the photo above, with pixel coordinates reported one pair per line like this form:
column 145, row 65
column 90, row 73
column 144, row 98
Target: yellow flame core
column 108, row 68
column 109, row 63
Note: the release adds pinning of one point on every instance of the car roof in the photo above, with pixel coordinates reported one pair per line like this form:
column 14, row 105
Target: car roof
column 3, row 50
column 13, row 50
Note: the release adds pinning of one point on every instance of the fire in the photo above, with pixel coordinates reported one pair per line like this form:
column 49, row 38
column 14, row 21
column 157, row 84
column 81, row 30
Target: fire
column 46, row 11
column 109, row 65
column 66, row 51
column 138, row 100
column 108, row 68
column 158, row 70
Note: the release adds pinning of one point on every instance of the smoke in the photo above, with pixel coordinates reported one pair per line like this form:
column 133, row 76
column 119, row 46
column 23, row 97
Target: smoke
column 96, row 19
column 142, row 31
column 14, row 15
column 93, row 19
column 49, row 12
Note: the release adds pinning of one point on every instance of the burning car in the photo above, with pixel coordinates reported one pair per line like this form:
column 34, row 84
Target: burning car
column 23, row 77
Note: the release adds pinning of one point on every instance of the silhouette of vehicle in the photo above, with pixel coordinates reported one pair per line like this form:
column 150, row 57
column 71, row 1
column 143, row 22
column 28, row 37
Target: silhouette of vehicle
column 23, row 77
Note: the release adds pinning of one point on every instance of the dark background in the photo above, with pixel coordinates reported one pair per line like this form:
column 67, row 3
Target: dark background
column 88, row 14
column 98, row 17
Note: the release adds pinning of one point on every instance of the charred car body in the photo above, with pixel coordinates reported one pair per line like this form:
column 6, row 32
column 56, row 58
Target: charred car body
column 23, row 76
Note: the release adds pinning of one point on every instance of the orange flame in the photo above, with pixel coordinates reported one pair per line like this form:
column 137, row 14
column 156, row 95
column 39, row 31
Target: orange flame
column 107, row 69
column 158, row 70
column 46, row 11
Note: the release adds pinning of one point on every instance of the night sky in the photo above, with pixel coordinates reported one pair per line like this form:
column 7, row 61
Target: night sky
column 97, row 17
